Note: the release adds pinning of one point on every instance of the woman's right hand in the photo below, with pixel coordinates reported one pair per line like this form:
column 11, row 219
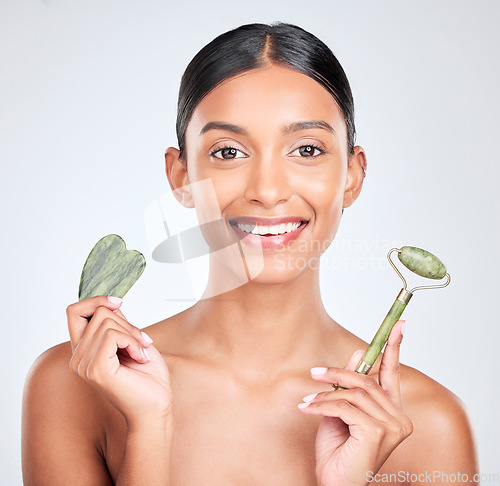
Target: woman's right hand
column 118, row 360
column 363, row 423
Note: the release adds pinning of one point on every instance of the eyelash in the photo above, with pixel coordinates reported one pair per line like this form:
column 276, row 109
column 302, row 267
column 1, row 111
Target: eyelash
column 222, row 147
column 314, row 146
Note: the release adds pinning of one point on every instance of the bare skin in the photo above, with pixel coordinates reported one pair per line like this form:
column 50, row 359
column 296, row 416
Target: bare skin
column 224, row 408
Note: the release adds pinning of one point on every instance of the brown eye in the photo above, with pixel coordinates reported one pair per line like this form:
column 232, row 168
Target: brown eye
column 307, row 151
column 227, row 153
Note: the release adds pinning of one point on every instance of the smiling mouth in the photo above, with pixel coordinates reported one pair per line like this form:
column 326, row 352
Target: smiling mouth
column 279, row 227
column 268, row 233
column 269, row 230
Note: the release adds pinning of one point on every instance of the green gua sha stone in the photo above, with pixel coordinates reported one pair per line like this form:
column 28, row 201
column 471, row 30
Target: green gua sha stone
column 110, row 269
column 422, row 262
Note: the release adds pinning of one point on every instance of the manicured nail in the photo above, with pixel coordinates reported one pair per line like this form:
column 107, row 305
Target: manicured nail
column 146, row 337
column 310, row 398
column 146, row 354
column 403, row 327
column 114, row 300
column 319, row 370
column 304, row 405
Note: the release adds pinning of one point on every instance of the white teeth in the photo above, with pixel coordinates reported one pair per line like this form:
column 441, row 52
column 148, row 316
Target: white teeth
column 277, row 229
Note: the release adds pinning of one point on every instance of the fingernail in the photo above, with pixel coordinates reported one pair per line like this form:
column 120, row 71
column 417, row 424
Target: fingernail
column 146, row 337
column 146, row 354
column 304, row 405
column 403, row 327
column 114, row 300
column 319, row 370
column 310, row 398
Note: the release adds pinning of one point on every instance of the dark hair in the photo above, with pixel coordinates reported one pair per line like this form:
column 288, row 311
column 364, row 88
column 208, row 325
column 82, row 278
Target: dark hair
column 256, row 45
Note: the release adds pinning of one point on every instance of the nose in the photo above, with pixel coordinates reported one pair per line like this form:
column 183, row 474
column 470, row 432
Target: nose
column 268, row 182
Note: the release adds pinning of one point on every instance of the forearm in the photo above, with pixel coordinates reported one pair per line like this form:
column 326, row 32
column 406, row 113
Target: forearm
column 146, row 460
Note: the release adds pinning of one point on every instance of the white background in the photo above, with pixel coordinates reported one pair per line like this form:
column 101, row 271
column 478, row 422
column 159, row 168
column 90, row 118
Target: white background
column 87, row 107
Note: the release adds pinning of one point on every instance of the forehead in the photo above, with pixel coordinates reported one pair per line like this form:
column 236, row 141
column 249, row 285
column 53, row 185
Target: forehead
column 273, row 96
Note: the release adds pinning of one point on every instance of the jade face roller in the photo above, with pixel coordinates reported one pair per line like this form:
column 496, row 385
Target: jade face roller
column 420, row 262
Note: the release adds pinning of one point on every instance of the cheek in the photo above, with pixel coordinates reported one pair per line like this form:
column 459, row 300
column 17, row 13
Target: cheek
column 325, row 195
column 208, row 212
column 205, row 200
column 325, row 190
column 212, row 193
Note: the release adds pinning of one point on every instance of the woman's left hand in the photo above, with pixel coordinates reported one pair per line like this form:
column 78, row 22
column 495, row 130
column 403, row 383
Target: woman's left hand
column 362, row 424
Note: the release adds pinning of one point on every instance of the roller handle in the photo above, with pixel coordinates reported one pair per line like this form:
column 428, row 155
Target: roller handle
column 380, row 338
column 382, row 335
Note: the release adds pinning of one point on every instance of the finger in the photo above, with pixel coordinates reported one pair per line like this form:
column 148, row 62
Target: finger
column 118, row 312
column 102, row 319
column 135, row 331
column 353, row 362
column 78, row 313
column 349, row 379
column 361, row 425
column 104, row 362
column 389, row 367
column 97, row 321
column 357, row 397
column 102, row 313
column 87, row 353
column 348, row 413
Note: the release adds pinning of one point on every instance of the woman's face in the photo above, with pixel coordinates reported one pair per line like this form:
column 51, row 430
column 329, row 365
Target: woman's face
column 273, row 143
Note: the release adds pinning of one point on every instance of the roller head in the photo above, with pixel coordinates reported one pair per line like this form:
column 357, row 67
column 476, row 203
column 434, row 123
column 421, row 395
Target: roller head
column 422, row 262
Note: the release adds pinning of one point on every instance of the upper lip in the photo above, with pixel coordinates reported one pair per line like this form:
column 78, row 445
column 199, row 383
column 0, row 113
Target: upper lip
column 256, row 220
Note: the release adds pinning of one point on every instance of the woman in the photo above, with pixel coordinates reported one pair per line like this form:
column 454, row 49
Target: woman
column 209, row 396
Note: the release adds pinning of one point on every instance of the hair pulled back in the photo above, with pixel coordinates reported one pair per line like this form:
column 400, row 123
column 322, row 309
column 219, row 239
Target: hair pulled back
column 253, row 46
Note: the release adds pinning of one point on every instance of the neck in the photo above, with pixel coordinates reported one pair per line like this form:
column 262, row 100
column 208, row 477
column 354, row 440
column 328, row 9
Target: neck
column 264, row 328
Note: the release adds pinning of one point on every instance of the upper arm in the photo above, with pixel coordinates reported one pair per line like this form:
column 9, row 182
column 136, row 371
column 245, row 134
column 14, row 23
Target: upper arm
column 60, row 444
column 443, row 441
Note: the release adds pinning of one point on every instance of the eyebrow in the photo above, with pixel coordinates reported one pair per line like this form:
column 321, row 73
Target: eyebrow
column 228, row 127
column 307, row 125
column 293, row 127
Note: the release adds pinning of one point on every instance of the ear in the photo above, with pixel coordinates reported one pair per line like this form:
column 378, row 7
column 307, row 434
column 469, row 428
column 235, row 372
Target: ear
column 177, row 176
column 355, row 176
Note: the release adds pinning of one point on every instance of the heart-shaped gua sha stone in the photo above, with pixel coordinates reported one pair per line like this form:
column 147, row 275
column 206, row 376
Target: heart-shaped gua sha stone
column 110, row 269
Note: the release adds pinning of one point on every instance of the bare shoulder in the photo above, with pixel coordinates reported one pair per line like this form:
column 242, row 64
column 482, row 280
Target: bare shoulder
column 442, row 437
column 50, row 381
column 61, row 419
column 52, row 365
column 424, row 397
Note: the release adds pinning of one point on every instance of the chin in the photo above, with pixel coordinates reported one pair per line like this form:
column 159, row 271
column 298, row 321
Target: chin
column 269, row 259
column 281, row 268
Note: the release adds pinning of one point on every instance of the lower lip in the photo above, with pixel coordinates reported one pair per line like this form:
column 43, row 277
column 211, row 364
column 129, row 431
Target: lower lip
column 268, row 242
